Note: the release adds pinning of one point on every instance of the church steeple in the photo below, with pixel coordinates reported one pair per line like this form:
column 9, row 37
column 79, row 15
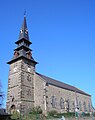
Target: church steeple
column 24, row 30
column 23, row 43
column 21, row 74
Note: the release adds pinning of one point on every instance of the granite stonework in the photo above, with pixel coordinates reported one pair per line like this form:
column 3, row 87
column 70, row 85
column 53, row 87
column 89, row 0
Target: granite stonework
column 21, row 86
column 28, row 89
column 44, row 93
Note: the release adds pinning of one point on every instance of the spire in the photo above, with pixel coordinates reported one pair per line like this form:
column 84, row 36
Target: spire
column 23, row 50
column 24, row 30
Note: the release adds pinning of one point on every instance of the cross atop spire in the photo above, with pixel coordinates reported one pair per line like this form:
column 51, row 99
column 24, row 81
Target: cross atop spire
column 24, row 31
column 25, row 13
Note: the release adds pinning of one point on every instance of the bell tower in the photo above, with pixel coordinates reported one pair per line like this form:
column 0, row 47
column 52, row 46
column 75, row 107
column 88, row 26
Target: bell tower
column 20, row 95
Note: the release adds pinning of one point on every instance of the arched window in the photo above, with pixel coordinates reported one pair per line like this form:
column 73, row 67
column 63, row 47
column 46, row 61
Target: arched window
column 80, row 107
column 84, row 104
column 12, row 109
column 53, row 102
column 89, row 107
column 68, row 104
column 61, row 103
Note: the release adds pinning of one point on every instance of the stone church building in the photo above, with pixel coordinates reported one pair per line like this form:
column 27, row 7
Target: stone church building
column 28, row 89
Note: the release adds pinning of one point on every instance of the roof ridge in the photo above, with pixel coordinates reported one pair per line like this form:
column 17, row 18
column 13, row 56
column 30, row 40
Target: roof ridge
column 54, row 79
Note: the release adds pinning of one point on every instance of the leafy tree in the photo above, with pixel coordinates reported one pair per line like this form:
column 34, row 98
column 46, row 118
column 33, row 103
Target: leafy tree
column 34, row 114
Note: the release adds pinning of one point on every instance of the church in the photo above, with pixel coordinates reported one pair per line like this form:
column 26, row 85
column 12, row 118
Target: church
column 28, row 89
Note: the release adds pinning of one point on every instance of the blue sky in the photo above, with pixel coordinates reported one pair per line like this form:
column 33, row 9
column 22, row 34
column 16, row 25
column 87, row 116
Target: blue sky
column 63, row 37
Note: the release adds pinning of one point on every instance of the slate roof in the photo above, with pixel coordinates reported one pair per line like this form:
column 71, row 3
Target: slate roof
column 22, row 56
column 61, row 85
column 23, row 44
column 3, row 112
column 24, row 30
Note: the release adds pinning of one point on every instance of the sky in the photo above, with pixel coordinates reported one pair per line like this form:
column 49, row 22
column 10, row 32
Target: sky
column 63, row 37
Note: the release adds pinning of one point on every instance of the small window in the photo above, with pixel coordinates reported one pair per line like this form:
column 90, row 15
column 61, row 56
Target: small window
column 29, row 78
column 29, row 92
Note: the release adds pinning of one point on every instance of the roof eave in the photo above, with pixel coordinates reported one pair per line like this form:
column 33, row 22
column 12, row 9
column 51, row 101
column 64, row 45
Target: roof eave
column 21, row 57
column 18, row 48
column 23, row 39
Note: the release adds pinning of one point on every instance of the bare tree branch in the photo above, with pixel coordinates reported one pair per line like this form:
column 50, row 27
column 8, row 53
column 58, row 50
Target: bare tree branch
column 1, row 95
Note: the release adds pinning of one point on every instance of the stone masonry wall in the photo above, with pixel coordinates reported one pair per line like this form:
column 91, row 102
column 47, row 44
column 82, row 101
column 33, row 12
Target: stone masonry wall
column 30, row 90
column 39, row 93
column 43, row 97
column 67, row 95
column 21, row 86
